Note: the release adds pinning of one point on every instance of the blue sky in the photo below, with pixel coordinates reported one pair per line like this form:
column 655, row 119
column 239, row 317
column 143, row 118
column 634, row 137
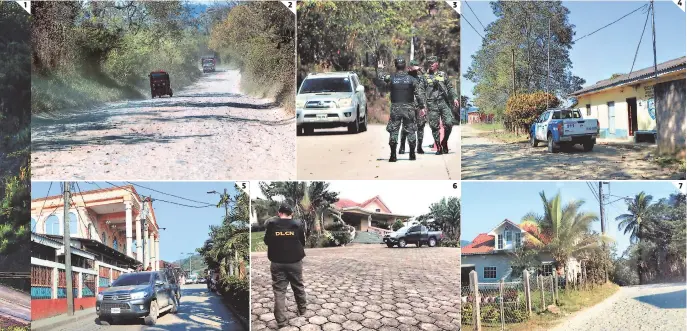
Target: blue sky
column 608, row 51
column 486, row 204
column 186, row 228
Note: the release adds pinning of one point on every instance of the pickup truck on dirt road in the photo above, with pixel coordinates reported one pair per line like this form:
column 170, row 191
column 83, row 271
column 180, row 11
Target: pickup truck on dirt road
column 564, row 128
column 413, row 234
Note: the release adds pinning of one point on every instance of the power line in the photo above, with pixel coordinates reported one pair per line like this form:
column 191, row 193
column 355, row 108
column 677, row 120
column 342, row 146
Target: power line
column 172, row 195
column 609, row 24
column 470, row 24
column 156, row 199
column 40, row 213
column 640, row 42
column 473, row 13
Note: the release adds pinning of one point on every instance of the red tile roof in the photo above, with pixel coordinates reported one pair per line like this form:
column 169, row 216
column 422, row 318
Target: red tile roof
column 482, row 244
column 347, row 203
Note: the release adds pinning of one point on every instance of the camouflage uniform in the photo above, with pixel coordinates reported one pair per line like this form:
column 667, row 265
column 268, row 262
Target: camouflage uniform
column 440, row 94
column 420, row 119
column 402, row 108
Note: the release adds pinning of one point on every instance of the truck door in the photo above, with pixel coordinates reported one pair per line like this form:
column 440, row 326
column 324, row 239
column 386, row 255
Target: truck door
column 413, row 234
column 162, row 290
column 542, row 125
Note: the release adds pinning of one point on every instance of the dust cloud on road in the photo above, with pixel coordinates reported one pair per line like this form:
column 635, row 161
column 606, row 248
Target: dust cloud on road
column 207, row 130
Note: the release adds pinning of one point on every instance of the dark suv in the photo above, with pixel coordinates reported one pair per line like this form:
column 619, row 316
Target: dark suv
column 136, row 295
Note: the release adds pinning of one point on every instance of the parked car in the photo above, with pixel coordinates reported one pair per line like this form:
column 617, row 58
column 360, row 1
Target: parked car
column 413, row 234
column 564, row 128
column 137, row 295
column 159, row 84
column 331, row 100
column 190, row 280
column 208, row 64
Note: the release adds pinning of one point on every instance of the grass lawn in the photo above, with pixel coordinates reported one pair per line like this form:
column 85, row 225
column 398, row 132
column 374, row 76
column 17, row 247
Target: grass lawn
column 497, row 132
column 256, row 242
column 569, row 302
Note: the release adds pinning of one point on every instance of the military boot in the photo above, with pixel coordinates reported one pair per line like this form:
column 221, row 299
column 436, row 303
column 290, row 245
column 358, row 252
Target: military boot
column 392, row 157
column 419, row 146
column 438, row 147
column 444, row 145
column 402, row 149
column 412, row 151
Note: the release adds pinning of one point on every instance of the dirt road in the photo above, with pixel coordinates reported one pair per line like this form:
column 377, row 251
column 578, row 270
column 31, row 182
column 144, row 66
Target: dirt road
column 646, row 307
column 206, row 131
column 335, row 154
column 484, row 158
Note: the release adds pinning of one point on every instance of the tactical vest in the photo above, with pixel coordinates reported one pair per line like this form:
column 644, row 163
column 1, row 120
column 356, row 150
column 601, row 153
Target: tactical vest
column 402, row 88
column 435, row 84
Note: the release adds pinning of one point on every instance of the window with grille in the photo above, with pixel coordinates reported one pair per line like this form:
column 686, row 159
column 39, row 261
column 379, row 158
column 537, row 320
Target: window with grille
column 489, row 272
column 547, row 269
column 589, row 110
column 500, row 241
column 509, row 236
column 518, row 239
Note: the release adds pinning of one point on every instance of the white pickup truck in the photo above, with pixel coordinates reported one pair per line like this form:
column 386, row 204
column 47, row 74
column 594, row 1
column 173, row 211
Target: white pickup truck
column 564, row 127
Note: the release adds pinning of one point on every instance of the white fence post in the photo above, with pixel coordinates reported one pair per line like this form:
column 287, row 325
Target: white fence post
column 79, row 284
column 55, row 281
column 541, row 290
column 503, row 325
column 528, row 294
column 476, row 318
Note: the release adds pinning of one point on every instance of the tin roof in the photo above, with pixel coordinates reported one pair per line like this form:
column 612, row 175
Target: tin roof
column 646, row 73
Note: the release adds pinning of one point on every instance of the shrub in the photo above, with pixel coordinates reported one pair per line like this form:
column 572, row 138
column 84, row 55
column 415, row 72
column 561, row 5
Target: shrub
column 340, row 235
column 257, row 227
column 236, row 291
column 490, row 314
column 466, row 314
column 523, row 109
column 449, row 243
column 397, row 225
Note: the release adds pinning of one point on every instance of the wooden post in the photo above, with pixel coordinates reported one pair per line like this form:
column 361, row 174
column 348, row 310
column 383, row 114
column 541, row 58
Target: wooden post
column 541, row 291
column 556, row 288
column 553, row 288
column 503, row 325
column 476, row 318
column 528, row 294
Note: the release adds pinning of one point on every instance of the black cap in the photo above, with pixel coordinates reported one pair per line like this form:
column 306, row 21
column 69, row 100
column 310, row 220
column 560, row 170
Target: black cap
column 285, row 209
column 400, row 63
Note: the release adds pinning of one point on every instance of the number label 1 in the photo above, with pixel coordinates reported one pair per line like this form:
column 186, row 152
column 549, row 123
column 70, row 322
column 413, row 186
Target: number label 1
column 26, row 5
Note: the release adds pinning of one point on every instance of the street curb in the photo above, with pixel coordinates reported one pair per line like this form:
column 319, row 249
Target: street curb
column 64, row 322
column 243, row 321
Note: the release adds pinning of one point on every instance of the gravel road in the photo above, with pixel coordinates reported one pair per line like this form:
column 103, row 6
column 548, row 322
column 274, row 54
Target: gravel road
column 645, row 307
column 208, row 130
column 335, row 154
column 484, row 158
column 15, row 306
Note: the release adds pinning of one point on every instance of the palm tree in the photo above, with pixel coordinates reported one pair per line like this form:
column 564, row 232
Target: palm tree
column 446, row 215
column 564, row 230
column 638, row 212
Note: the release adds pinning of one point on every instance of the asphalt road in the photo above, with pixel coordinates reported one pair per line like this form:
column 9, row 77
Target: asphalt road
column 208, row 130
column 484, row 158
column 645, row 307
column 15, row 306
column 335, row 154
column 366, row 287
column 199, row 310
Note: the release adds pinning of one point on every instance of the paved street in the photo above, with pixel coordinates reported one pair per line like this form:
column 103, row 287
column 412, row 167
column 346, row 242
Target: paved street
column 15, row 307
column 337, row 154
column 199, row 310
column 367, row 287
column 484, row 158
column 645, row 307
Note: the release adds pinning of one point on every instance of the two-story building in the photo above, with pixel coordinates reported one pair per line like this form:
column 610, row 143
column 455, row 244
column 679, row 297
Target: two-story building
column 112, row 231
column 490, row 254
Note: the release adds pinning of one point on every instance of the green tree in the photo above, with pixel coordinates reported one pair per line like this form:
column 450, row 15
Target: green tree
column 446, row 216
column 520, row 31
column 631, row 222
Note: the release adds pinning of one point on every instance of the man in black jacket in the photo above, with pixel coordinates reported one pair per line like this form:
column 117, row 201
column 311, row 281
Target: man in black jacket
column 285, row 239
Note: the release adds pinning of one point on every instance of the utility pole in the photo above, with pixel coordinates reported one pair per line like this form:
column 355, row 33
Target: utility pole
column 601, row 209
column 144, row 224
column 226, row 204
column 653, row 36
column 548, row 63
column 68, row 251
column 513, row 67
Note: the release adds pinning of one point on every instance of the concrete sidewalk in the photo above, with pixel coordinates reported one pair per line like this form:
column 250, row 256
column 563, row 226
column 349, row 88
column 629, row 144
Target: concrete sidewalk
column 55, row 322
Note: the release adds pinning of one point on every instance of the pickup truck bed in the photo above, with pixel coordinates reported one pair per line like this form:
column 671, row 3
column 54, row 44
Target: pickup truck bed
column 564, row 127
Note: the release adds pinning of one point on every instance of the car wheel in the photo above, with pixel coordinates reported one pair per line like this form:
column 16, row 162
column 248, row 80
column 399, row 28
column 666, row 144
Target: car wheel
column 364, row 127
column 299, row 131
column 588, row 146
column 432, row 242
column 551, row 145
column 355, row 126
column 390, row 245
column 419, row 244
column 151, row 319
column 105, row 321
column 402, row 243
column 533, row 141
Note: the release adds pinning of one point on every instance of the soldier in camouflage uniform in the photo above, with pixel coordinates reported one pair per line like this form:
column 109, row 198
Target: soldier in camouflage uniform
column 406, row 96
column 441, row 96
column 420, row 118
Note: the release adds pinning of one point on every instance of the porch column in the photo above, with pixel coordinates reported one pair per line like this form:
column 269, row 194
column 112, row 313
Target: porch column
column 157, row 250
column 146, row 244
column 129, row 228
column 139, row 243
column 151, row 249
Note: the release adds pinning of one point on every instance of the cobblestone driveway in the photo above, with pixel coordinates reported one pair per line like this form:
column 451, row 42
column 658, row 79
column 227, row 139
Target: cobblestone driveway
column 367, row 287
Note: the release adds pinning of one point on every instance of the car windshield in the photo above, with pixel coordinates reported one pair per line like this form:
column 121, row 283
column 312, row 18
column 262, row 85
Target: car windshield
column 565, row 114
column 330, row 84
column 158, row 75
column 132, row 279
